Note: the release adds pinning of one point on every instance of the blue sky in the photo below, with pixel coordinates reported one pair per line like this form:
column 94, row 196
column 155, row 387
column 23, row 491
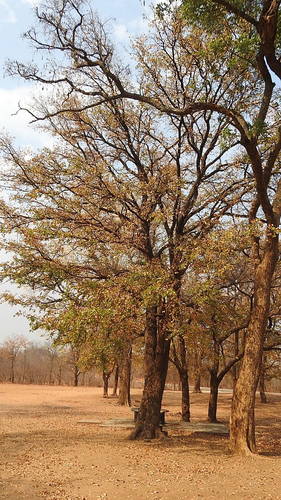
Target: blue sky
column 16, row 16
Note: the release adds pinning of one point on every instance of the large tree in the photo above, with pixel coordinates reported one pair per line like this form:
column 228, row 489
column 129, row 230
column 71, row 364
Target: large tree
column 151, row 180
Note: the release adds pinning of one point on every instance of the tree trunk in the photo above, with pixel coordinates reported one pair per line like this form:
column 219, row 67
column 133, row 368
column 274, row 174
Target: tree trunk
column 105, row 377
column 116, row 379
column 197, row 384
column 59, row 375
column 197, row 371
column 185, row 400
column 242, row 423
column 12, row 373
column 213, row 400
column 24, row 366
column 156, row 357
column 263, row 398
column 214, row 380
column 76, row 374
column 183, row 373
column 51, row 369
column 125, row 377
column 234, row 370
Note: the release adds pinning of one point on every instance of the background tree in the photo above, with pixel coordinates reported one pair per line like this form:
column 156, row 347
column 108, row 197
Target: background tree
column 11, row 348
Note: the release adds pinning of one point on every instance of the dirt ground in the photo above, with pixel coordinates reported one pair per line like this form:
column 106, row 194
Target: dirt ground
column 46, row 453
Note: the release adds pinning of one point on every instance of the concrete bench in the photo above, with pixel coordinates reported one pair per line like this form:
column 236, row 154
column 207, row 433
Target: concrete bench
column 136, row 410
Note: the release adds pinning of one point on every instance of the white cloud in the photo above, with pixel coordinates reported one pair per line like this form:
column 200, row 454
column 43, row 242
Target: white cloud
column 7, row 14
column 135, row 26
column 33, row 3
column 17, row 125
column 141, row 23
column 120, row 32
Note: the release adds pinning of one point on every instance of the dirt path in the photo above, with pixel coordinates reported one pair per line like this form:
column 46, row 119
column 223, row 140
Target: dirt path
column 46, row 453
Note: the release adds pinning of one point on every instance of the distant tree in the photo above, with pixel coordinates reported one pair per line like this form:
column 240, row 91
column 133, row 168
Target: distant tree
column 11, row 347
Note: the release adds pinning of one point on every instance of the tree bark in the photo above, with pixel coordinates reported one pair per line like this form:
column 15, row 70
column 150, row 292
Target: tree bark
column 185, row 399
column 12, row 372
column 156, row 357
column 125, row 376
column 116, row 380
column 263, row 397
column 24, row 366
column 213, row 400
column 197, row 372
column 214, row 380
column 234, row 371
column 59, row 375
column 242, row 428
column 183, row 373
column 76, row 374
column 105, row 377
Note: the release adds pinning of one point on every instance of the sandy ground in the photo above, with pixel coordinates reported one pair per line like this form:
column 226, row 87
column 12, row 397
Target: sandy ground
column 46, row 453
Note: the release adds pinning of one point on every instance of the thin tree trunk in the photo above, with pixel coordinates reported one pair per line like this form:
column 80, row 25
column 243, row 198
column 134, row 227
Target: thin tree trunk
column 59, row 375
column 213, row 400
column 263, row 398
column 183, row 372
column 156, row 357
column 242, row 422
column 125, row 377
column 105, row 377
column 76, row 374
column 197, row 371
column 24, row 366
column 197, row 384
column 185, row 399
column 116, row 379
column 234, row 371
column 12, row 373
column 214, row 380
